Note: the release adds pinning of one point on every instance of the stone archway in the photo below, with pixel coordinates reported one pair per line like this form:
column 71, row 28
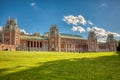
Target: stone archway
column 6, row 49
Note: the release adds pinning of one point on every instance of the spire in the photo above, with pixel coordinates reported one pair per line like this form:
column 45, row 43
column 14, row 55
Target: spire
column 11, row 23
column 15, row 21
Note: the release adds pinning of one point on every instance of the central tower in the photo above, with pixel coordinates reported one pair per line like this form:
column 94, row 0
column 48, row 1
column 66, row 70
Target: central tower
column 10, row 33
column 92, row 42
column 54, row 38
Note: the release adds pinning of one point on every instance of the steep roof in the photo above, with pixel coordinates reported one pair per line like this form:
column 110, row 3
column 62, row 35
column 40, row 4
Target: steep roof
column 32, row 37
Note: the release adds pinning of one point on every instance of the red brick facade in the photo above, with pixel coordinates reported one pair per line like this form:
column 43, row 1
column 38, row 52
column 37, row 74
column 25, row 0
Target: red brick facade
column 10, row 35
column 12, row 39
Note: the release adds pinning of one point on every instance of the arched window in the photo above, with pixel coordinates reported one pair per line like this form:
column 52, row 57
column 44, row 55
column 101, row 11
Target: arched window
column 31, row 44
column 28, row 43
column 40, row 44
column 37, row 44
column 34, row 44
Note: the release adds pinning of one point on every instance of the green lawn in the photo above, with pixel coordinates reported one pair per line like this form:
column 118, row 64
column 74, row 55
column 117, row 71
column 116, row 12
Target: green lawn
column 59, row 66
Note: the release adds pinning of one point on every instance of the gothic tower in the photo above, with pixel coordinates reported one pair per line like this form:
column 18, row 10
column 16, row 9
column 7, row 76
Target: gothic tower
column 92, row 42
column 111, row 43
column 10, row 34
column 54, row 39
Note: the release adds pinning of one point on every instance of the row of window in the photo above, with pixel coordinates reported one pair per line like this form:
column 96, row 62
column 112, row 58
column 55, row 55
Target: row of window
column 34, row 44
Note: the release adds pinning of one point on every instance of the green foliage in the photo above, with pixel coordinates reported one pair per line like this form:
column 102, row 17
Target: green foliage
column 118, row 48
column 59, row 66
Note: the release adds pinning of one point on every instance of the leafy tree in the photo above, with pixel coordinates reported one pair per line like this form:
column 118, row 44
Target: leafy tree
column 118, row 47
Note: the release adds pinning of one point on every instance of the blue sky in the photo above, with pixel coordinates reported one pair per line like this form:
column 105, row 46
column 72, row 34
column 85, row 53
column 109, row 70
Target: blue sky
column 39, row 15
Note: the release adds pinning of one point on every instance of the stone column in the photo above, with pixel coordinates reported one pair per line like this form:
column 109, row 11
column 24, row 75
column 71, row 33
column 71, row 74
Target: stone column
column 38, row 45
column 74, row 47
column 35, row 45
column 66, row 47
column 10, row 40
column 29, row 45
column 32, row 45
column 3, row 38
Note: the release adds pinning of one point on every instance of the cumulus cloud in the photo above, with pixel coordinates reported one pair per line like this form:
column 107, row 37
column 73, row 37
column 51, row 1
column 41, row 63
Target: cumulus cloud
column 98, row 31
column 78, row 28
column 75, row 20
column 23, row 31
column 102, row 33
column 114, row 34
column 89, row 22
column 33, row 4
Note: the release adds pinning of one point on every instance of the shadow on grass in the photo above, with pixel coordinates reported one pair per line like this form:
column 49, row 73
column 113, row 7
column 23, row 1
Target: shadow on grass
column 101, row 68
column 118, row 52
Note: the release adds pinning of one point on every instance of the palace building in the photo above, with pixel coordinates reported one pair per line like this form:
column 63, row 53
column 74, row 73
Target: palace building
column 12, row 39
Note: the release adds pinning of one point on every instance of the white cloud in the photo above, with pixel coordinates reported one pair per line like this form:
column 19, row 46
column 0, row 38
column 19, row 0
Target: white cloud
column 75, row 20
column 98, row 31
column 23, row 31
column 102, row 33
column 33, row 4
column 78, row 28
column 81, row 19
column 89, row 22
column 103, row 5
column 114, row 34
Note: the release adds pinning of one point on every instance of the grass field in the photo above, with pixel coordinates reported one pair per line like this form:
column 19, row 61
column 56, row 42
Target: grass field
column 17, row 65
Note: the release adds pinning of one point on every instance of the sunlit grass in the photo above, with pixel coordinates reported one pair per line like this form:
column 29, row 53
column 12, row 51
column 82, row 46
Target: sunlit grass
column 37, row 65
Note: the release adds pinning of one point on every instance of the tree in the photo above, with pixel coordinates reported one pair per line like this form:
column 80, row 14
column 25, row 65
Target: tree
column 118, row 47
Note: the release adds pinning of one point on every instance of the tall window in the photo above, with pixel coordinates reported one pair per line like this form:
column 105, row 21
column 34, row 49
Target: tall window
column 28, row 43
column 37, row 44
column 40, row 45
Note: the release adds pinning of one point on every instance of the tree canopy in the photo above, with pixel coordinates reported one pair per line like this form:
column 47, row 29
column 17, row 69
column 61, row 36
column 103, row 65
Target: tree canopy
column 118, row 47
